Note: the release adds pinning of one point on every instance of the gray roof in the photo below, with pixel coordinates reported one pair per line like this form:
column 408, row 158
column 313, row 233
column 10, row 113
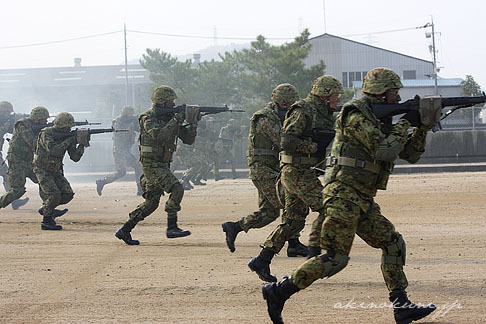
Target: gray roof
column 454, row 82
column 73, row 76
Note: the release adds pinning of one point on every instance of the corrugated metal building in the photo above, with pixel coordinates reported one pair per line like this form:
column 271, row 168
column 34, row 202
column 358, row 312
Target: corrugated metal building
column 349, row 60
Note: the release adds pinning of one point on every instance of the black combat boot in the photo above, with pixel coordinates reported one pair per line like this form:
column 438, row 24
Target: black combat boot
column 16, row 204
column 218, row 177
column 55, row 213
column 124, row 233
column 99, row 186
column 173, row 231
column 405, row 311
column 313, row 251
column 231, row 229
column 261, row 265
column 276, row 293
column 49, row 224
column 296, row 248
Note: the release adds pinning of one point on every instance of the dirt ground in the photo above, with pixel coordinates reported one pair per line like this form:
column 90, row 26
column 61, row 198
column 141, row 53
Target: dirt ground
column 83, row 274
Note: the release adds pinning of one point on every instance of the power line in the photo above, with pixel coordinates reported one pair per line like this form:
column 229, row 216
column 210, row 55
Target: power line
column 387, row 31
column 61, row 41
column 202, row 37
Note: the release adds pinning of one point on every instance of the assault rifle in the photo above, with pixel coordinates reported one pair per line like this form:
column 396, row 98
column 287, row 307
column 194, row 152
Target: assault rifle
column 384, row 110
column 60, row 135
column 38, row 127
column 321, row 136
column 202, row 110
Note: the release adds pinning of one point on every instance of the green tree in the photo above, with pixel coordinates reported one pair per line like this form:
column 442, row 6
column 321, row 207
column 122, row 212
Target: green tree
column 469, row 87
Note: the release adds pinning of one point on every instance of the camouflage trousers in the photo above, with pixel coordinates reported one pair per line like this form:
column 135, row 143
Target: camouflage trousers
column 344, row 219
column 303, row 190
column 18, row 172
column 195, row 163
column 157, row 179
column 4, row 174
column 264, row 177
column 54, row 189
column 122, row 160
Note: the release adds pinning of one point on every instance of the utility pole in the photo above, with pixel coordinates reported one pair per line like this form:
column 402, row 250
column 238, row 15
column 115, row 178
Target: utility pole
column 324, row 10
column 434, row 52
column 126, row 64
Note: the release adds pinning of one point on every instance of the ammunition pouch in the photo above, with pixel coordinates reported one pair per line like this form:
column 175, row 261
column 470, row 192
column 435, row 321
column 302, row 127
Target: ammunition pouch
column 164, row 153
column 289, row 142
column 48, row 163
column 354, row 163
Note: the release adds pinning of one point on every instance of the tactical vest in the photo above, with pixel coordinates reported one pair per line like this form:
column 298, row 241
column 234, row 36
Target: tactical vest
column 46, row 160
column 260, row 147
column 318, row 118
column 160, row 149
column 123, row 141
column 352, row 165
column 19, row 148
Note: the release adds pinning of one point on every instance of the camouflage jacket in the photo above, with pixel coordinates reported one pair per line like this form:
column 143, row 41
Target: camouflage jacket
column 49, row 153
column 264, row 142
column 358, row 135
column 123, row 141
column 23, row 142
column 303, row 117
column 206, row 139
column 158, row 136
column 5, row 128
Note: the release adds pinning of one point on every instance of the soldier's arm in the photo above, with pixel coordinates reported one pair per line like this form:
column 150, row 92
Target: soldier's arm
column 415, row 146
column 157, row 132
column 187, row 134
column 55, row 148
column 75, row 151
column 27, row 135
column 294, row 126
column 270, row 129
column 383, row 147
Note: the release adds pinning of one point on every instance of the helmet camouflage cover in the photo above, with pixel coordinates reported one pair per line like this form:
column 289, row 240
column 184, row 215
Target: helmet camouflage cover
column 162, row 94
column 39, row 113
column 326, row 85
column 381, row 79
column 6, row 108
column 285, row 93
column 64, row 120
column 127, row 111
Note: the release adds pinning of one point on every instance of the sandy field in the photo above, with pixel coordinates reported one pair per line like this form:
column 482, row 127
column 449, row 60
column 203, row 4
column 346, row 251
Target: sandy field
column 83, row 274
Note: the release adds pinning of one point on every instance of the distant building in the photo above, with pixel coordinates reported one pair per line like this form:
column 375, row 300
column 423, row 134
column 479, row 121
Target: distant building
column 76, row 88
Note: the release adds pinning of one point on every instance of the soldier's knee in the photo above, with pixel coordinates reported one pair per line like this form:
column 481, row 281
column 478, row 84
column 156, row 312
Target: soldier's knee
column 177, row 191
column 18, row 191
column 293, row 226
column 66, row 197
column 333, row 262
column 121, row 172
column 396, row 252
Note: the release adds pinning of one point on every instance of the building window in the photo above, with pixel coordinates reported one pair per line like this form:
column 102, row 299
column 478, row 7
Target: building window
column 364, row 74
column 357, row 76
column 351, row 79
column 409, row 75
column 345, row 79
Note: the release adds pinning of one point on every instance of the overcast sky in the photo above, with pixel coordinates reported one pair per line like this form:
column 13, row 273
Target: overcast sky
column 459, row 26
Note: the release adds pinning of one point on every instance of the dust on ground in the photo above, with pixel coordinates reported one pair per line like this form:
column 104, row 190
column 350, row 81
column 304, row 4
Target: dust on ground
column 83, row 274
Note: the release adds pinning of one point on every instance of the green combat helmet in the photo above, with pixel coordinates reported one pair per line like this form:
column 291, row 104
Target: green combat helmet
column 64, row 120
column 39, row 113
column 127, row 111
column 6, row 108
column 162, row 94
column 327, row 85
column 284, row 94
column 379, row 80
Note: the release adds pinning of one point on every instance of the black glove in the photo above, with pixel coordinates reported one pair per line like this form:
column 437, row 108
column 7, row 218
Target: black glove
column 413, row 116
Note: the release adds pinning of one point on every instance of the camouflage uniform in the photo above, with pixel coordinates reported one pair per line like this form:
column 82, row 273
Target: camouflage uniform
column 361, row 161
column 122, row 150
column 212, row 159
column 48, row 167
column 19, row 157
column 158, row 138
column 224, row 145
column 303, row 189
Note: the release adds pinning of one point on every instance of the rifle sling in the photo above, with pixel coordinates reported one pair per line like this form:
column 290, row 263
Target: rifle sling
column 353, row 163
